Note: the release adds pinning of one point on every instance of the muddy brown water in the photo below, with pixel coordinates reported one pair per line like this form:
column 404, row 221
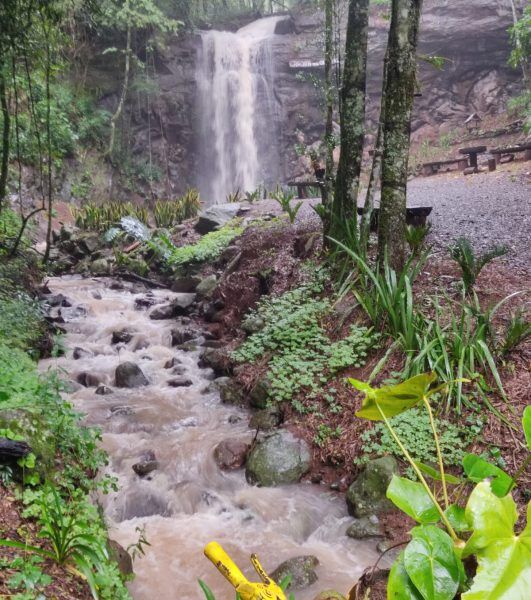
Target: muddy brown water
column 188, row 501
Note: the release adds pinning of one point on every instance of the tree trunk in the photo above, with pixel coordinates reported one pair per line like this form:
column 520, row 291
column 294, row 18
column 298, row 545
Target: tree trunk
column 352, row 115
column 125, row 86
column 5, row 138
column 327, row 191
column 376, row 169
column 398, row 98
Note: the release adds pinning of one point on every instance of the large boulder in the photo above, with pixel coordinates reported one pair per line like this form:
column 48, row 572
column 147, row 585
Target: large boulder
column 278, row 459
column 121, row 557
column 230, row 391
column 207, row 286
column 230, row 454
column 216, row 216
column 130, row 375
column 185, row 285
column 367, row 495
column 301, row 569
column 182, row 303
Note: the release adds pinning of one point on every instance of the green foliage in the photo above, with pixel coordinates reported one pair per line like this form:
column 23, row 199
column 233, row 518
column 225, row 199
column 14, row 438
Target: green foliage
column 28, row 576
column 431, row 566
column 521, row 38
column 414, row 429
column 284, row 199
column 416, row 237
column 20, row 320
column 208, row 248
column 172, row 212
column 518, row 330
column 301, row 355
column 325, row 433
column 99, row 218
column 470, row 264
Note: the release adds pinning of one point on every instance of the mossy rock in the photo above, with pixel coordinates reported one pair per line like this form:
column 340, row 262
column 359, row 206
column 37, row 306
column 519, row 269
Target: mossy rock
column 367, row 495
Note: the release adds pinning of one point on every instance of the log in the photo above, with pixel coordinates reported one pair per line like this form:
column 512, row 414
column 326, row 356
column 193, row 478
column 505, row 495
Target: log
column 11, row 450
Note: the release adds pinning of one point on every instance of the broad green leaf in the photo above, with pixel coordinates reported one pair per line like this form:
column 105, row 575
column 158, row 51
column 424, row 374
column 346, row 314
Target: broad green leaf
column 457, row 517
column 399, row 585
column 435, row 474
column 478, row 469
column 504, row 559
column 432, row 564
column 526, row 424
column 395, row 399
column 412, row 498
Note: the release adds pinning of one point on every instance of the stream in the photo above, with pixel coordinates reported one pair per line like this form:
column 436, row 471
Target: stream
column 188, row 501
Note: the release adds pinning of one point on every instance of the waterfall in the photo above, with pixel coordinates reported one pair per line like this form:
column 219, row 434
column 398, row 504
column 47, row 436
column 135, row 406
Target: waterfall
column 237, row 111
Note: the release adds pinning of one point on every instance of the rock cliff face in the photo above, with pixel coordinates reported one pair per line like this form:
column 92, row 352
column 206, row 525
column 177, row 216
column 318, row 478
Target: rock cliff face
column 471, row 36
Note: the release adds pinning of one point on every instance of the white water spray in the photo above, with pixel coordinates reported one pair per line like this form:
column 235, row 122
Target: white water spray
column 237, row 110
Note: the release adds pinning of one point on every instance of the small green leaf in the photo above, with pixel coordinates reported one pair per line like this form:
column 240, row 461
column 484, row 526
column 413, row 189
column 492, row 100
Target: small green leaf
column 206, row 590
column 435, row 474
column 456, row 516
column 412, row 498
column 504, row 559
column 392, row 400
column 399, row 585
column 478, row 469
column 526, row 424
column 432, row 564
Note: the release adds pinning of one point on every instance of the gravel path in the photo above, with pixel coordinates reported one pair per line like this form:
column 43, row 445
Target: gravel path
column 488, row 208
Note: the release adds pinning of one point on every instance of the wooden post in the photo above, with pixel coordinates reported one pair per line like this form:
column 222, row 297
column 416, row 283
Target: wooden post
column 473, row 160
column 492, row 164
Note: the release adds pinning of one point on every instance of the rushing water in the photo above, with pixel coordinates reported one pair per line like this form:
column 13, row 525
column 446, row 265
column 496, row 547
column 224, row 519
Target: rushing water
column 188, row 501
column 238, row 120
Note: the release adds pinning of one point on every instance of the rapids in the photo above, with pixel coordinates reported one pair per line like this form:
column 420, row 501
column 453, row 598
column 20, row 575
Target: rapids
column 188, row 501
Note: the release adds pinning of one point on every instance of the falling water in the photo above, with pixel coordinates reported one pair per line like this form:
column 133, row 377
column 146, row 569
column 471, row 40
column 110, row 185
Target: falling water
column 187, row 501
column 238, row 116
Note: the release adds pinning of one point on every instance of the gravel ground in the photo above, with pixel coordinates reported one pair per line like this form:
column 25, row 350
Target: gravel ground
column 488, row 208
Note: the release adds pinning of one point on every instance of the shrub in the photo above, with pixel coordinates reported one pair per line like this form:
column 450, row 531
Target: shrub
column 471, row 265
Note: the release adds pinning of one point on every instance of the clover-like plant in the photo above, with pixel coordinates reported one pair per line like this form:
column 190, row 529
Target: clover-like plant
column 431, row 566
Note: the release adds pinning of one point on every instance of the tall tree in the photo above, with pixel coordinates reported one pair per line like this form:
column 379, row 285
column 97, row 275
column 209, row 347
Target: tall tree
column 327, row 190
column 352, row 115
column 398, row 95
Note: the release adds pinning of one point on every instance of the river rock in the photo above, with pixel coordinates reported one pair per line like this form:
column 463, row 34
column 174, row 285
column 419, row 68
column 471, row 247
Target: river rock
column 185, row 285
column 121, row 557
column 280, row 458
column 182, row 303
column 365, row 527
column 301, row 569
column 81, row 353
column 180, row 382
column 367, row 495
column 329, row 595
column 161, row 313
column 182, row 335
column 58, row 300
column 124, row 336
column 230, row 391
column 129, row 375
column 216, row 359
column 253, row 324
column 173, row 362
column 259, row 397
column 103, row 390
column 145, row 467
column 266, row 419
column 207, row 286
column 216, row 216
column 100, row 266
column 88, row 379
column 231, row 454
column 144, row 302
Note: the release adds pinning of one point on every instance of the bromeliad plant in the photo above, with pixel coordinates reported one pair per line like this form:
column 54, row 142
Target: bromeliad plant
column 431, row 567
column 284, row 200
column 471, row 265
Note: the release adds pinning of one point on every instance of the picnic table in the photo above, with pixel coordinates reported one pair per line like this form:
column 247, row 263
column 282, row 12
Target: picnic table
column 472, row 154
column 303, row 186
column 512, row 150
column 415, row 216
column 431, row 168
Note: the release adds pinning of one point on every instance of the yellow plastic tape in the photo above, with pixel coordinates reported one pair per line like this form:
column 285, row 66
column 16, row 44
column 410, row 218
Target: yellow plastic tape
column 267, row 590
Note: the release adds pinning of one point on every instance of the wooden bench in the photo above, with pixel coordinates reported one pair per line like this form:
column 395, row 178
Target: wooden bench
column 472, row 153
column 432, row 168
column 415, row 216
column 302, row 187
column 512, row 150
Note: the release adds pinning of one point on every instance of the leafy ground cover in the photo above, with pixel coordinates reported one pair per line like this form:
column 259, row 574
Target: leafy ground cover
column 54, row 542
